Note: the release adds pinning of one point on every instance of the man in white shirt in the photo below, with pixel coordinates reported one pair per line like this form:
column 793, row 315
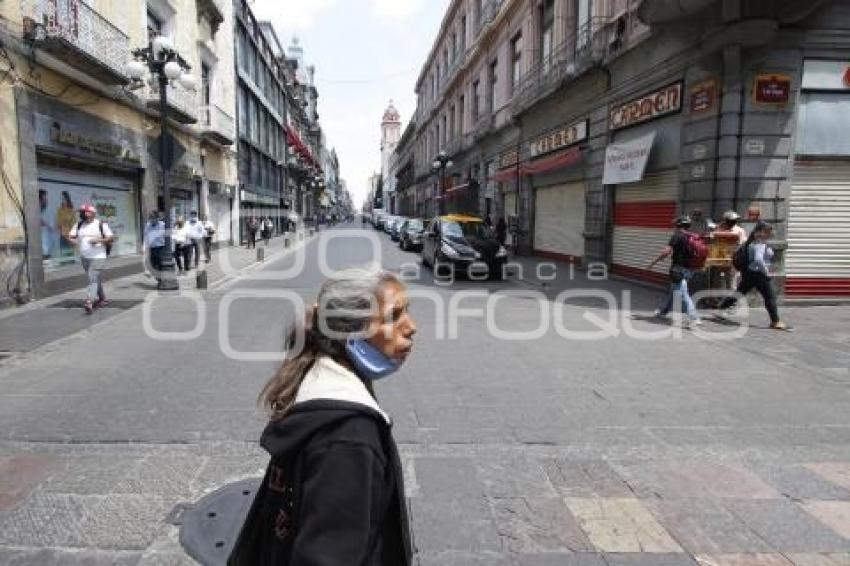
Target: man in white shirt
column 154, row 243
column 197, row 232
column 93, row 237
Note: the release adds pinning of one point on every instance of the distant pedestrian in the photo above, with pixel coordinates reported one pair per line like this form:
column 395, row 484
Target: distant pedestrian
column 488, row 220
column 209, row 232
column 334, row 489
column 501, row 230
column 94, row 239
column 252, row 226
column 678, row 251
column 268, row 226
column 197, row 233
column 154, row 243
column 757, row 273
column 182, row 245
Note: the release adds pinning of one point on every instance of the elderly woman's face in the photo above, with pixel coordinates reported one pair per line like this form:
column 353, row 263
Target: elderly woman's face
column 392, row 328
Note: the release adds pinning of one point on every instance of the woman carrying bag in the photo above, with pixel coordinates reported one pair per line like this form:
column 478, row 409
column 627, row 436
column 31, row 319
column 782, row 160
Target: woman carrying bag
column 333, row 493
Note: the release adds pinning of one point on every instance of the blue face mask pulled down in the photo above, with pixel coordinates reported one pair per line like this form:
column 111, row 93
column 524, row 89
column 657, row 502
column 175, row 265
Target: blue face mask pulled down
column 368, row 360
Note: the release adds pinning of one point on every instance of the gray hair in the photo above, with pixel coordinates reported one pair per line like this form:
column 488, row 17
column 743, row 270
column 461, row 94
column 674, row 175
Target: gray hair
column 345, row 306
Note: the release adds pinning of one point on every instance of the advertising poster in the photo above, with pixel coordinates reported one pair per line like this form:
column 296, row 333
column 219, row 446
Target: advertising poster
column 60, row 201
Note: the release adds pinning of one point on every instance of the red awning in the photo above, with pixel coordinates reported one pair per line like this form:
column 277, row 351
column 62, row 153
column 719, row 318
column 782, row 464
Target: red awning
column 294, row 140
column 505, row 175
column 561, row 159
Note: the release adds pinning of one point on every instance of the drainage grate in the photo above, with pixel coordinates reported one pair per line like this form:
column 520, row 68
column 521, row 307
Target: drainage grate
column 121, row 304
column 208, row 529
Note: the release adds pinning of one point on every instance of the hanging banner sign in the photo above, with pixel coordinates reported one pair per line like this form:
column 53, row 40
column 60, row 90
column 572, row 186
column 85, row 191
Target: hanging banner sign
column 703, row 96
column 626, row 162
column 647, row 107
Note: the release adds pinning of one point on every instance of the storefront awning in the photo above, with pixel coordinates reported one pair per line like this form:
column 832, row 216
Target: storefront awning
column 294, row 141
column 558, row 160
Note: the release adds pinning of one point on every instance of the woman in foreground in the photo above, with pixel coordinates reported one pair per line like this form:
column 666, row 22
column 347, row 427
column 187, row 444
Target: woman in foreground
column 333, row 493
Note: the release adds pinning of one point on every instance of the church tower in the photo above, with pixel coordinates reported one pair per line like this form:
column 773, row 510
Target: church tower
column 390, row 135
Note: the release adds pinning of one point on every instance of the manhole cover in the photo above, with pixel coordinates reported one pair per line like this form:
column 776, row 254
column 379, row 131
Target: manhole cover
column 122, row 304
column 209, row 528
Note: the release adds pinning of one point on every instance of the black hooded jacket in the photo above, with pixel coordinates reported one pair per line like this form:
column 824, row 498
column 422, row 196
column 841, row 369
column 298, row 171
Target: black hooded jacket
column 333, row 494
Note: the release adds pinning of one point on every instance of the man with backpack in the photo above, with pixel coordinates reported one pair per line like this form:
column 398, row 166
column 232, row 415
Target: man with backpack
column 94, row 239
column 687, row 253
column 753, row 259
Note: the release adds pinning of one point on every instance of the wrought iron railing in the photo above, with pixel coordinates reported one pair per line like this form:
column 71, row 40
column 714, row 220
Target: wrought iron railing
column 214, row 119
column 579, row 52
column 78, row 24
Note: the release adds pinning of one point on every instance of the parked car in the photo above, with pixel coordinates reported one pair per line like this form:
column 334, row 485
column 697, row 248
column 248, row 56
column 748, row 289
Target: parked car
column 395, row 228
column 463, row 243
column 389, row 222
column 380, row 220
column 410, row 234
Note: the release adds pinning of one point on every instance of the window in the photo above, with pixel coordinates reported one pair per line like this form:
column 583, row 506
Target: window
column 583, row 23
column 445, row 61
column 454, row 46
column 437, row 138
column 254, row 120
column 477, row 13
column 516, row 60
column 452, row 122
column 463, row 34
column 460, row 113
column 493, row 80
column 243, row 113
column 154, row 26
column 476, row 102
column 547, row 21
column 205, row 84
column 445, row 132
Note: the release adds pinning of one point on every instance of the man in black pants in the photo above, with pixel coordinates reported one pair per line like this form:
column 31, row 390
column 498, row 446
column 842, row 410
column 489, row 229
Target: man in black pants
column 757, row 274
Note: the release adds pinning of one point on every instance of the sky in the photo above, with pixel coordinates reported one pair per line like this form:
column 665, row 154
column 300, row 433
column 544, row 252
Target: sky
column 366, row 53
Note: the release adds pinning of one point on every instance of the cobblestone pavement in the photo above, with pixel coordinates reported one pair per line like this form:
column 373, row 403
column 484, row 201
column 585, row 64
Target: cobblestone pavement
column 620, row 451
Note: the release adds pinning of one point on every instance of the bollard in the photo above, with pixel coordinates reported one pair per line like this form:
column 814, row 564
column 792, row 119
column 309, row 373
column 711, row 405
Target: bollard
column 261, row 255
column 286, row 242
column 201, row 279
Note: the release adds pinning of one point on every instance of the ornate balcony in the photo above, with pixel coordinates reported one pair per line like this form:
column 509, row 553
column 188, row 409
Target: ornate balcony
column 182, row 104
column 213, row 10
column 74, row 32
column 216, row 125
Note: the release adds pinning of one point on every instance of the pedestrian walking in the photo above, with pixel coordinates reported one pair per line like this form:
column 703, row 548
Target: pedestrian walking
column 94, row 238
column 268, row 226
column 154, row 243
column 679, row 251
column 333, row 491
column 197, row 233
column 729, row 225
column 182, row 245
column 209, row 232
column 253, row 226
column 757, row 258
column 501, row 230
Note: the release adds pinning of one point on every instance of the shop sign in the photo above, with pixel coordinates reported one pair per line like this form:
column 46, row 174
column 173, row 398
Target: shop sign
column 509, row 158
column 699, row 151
column 626, row 162
column 662, row 102
column 564, row 136
column 772, row 89
column 51, row 133
column 703, row 96
column 698, row 171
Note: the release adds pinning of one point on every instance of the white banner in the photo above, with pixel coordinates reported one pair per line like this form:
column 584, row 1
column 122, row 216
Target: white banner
column 626, row 162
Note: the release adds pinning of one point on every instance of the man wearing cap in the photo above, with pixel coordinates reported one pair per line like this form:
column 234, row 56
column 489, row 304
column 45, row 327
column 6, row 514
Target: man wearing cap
column 92, row 236
column 680, row 274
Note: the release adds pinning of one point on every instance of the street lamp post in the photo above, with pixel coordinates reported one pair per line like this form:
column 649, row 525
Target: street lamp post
column 165, row 65
column 441, row 163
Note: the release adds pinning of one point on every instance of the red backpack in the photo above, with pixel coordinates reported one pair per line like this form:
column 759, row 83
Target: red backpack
column 697, row 251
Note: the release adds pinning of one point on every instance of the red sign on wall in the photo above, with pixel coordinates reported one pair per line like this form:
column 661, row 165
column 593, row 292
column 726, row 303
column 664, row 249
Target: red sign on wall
column 772, row 89
column 703, row 96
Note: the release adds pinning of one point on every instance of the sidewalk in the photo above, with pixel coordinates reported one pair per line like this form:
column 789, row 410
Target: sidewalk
column 25, row 328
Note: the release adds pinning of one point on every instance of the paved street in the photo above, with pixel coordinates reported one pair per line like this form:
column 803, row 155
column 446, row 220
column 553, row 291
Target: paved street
column 628, row 449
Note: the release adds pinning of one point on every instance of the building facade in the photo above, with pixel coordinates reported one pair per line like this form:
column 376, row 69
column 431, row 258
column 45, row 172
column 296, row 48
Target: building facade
column 590, row 124
column 76, row 130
